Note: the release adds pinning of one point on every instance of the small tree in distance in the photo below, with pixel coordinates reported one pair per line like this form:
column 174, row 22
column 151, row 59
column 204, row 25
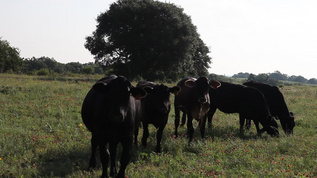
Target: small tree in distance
column 148, row 38
column 277, row 75
column 10, row 60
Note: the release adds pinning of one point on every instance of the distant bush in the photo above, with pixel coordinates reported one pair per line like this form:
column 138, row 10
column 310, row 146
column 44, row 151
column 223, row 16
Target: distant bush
column 312, row 81
column 220, row 78
column 241, row 75
column 43, row 72
column 275, row 78
column 88, row 70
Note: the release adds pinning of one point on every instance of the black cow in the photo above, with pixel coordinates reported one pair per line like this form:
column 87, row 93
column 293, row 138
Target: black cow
column 247, row 101
column 155, row 109
column 109, row 112
column 193, row 99
column 276, row 104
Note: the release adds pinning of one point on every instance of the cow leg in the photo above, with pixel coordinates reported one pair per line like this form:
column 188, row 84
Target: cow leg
column 241, row 120
column 136, row 133
column 183, row 119
column 176, row 121
column 94, row 145
column 159, row 138
column 125, row 156
column 190, row 128
column 104, row 158
column 145, row 134
column 210, row 114
column 113, row 153
column 248, row 124
column 202, row 124
column 258, row 130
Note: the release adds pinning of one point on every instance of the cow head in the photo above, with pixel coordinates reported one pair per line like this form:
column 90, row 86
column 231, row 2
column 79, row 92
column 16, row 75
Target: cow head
column 202, row 85
column 158, row 98
column 117, row 93
column 290, row 124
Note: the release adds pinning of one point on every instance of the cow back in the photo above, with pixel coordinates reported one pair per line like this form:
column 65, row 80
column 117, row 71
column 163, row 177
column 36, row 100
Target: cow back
column 274, row 98
column 228, row 98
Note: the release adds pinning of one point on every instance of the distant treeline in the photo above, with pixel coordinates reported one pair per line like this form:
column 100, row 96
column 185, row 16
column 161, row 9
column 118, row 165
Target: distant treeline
column 46, row 65
column 275, row 77
column 11, row 62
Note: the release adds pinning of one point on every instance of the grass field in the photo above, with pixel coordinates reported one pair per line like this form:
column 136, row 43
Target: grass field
column 42, row 135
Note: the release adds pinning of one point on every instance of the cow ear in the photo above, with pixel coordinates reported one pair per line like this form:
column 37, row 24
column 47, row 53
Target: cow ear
column 190, row 83
column 137, row 93
column 214, row 84
column 101, row 87
column 175, row 90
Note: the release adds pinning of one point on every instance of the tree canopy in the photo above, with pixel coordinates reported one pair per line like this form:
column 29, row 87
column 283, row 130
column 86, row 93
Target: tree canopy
column 10, row 59
column 149, row 39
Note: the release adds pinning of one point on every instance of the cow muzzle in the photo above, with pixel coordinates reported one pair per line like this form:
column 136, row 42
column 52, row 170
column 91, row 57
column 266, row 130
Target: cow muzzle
column 118, row 116
column 288, row 131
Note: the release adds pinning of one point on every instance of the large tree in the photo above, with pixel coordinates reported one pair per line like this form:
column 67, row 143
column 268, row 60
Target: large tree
column 10, row 60
column 148, row 38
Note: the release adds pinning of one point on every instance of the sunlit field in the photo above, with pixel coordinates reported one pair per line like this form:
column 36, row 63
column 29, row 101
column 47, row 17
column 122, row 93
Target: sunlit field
column 42, row 135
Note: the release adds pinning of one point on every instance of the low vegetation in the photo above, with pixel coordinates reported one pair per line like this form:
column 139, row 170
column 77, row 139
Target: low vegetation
column 42, row 135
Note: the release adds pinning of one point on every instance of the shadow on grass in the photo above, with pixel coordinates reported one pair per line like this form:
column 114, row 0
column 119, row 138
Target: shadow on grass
column 221, row 133
column 229, row 132
column 61, row 164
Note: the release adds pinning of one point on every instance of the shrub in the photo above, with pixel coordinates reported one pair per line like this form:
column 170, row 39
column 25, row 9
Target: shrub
column 43, row 72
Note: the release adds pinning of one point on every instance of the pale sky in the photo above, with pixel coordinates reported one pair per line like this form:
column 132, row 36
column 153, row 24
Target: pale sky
column 255, row 36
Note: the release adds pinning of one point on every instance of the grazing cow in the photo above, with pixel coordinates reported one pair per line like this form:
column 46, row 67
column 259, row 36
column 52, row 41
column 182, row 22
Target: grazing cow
column 109, row 112
column 276, row 103
column 247, row 101
column 193, row 99
column 155, row 109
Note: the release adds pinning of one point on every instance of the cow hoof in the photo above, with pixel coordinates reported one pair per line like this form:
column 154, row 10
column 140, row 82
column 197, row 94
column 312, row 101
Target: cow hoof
column 241, row 135
column 210, row 126
column 103, row 176
column 241, row 132
column 275, row 135
column 91, row 168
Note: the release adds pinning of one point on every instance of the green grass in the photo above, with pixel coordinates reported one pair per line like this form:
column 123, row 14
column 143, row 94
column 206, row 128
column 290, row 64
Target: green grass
column 42, row 135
